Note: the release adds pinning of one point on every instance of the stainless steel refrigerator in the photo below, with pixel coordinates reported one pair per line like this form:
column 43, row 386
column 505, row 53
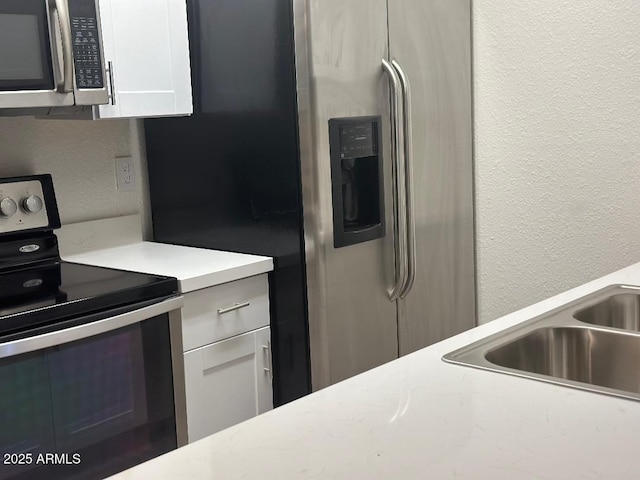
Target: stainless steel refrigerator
column 402, row 68
column 336, row 137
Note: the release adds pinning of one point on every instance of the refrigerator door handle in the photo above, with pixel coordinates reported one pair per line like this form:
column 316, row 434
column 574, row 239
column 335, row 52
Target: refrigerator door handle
column 399, row 184
column 409, row 198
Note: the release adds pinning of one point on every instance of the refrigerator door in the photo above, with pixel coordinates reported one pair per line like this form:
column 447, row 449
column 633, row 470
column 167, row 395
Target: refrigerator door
column 430, row 41
column 339, row 50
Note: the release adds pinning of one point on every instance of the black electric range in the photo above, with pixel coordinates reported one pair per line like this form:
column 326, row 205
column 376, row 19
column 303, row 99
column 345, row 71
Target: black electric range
column 37, row 298
column 91, row 378
column 37, row 288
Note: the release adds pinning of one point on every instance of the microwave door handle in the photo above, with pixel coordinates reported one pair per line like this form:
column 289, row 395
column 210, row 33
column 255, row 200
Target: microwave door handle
column 58, row 76
column 64, row 79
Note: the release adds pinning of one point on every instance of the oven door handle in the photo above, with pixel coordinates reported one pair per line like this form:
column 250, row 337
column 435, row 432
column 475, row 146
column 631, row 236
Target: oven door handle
column 79, row 332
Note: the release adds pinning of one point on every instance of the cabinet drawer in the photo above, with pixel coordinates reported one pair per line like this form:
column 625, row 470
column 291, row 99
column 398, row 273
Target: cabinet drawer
column 220, row 312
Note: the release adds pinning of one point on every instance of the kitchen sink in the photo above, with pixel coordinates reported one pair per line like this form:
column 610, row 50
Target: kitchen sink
column 592, row 343
column 617, row 311
column 586, row 355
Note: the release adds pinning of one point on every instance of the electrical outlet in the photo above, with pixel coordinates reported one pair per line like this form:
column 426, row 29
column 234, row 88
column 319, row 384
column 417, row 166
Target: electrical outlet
column 125, row 174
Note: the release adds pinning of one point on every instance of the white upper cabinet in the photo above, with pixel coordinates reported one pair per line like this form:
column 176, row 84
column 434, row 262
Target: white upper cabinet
column 146, row 49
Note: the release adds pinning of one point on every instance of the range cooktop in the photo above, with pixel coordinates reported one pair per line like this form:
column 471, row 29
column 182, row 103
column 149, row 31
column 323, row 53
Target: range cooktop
column 37, row 288
column 56, row 291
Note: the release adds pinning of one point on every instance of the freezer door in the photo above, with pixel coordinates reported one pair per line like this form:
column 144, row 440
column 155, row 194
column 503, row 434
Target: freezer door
column 339, row 49
column 430, row 40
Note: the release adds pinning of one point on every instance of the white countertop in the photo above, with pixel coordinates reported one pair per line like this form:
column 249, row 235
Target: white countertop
column 421, row 418
column 195, row 268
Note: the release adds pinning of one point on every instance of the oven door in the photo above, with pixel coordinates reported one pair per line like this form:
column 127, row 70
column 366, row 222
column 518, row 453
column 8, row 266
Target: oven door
column 94, row 398
column 51, row 54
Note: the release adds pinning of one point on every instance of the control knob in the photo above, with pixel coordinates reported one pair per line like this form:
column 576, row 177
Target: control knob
column 32, row 204
column 7, row 207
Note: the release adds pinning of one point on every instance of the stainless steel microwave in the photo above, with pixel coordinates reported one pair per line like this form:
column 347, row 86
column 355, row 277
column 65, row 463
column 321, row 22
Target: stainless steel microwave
column 51, row 55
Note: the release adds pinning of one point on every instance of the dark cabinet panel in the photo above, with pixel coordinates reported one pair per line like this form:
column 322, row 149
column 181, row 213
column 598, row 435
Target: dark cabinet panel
column 228, row 178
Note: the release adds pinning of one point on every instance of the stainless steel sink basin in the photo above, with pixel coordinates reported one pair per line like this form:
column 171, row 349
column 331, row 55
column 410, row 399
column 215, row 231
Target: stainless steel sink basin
column 586, row 355
column 617, row 311
column 592, row 344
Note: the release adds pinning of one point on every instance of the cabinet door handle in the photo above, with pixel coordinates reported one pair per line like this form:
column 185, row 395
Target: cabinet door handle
column 269, row 368
column 112, row 86
column 237, row 306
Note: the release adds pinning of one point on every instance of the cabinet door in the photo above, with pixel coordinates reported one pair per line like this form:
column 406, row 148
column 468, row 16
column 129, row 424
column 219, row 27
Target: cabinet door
column 227, row 382
column 146, row 47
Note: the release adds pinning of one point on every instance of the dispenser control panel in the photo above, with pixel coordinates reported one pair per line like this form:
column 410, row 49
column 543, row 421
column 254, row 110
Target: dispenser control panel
column 358, row 140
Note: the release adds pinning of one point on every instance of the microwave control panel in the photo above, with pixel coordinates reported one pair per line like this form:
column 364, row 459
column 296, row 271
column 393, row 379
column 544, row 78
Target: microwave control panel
column 86, row 44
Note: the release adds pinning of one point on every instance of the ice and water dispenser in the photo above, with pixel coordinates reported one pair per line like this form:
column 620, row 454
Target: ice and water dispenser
column 356, row 180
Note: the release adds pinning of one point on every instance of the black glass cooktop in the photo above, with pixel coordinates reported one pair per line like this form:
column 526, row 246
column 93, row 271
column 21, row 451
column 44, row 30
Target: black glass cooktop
column 60, row 290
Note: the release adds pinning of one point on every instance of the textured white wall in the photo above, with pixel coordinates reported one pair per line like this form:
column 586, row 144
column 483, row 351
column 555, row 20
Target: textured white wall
column 80, row 156
column 557, row 98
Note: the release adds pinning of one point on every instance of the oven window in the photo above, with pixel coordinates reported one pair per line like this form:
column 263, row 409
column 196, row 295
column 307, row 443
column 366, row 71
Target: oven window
column 101, row 404
column 25, row 47
column 97, row 389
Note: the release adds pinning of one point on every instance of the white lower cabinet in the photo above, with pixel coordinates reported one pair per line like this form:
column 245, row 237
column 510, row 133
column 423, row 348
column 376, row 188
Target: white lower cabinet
column 228, row 382
column 227, row 354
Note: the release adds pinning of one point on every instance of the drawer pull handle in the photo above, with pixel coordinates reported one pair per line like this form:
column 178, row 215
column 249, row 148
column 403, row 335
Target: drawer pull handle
column 237, row 306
